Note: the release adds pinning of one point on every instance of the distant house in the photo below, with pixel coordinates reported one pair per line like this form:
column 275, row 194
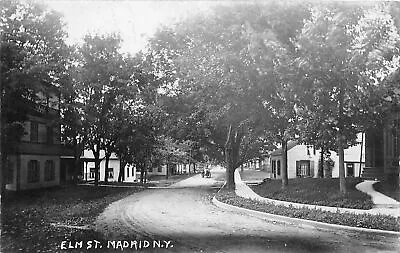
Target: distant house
column 131, row 173
column 34, row 160
column 89, row 172
column 172, row 169
column 160, row 170
column 303, row 161
column 258, row 164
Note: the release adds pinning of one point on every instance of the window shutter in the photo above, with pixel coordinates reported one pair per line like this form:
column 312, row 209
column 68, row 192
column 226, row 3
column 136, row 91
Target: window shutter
column 312, row 168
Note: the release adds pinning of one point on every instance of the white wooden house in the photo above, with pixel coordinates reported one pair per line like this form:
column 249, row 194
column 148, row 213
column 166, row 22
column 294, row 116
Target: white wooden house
column 113, row 168
column 303, row 161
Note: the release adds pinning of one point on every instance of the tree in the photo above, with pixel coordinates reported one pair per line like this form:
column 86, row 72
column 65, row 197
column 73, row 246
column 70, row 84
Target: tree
column 170, row 151
column 32, row 61
column 217, row 84
column 337, row 57
column 273, row 51
column 72, row 131
column 101, row 80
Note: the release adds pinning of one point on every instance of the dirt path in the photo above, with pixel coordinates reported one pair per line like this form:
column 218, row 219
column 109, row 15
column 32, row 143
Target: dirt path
column 185, row 215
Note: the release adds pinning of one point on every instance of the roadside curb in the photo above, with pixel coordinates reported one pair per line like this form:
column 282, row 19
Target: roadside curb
column 244, row 191
column 297, row 221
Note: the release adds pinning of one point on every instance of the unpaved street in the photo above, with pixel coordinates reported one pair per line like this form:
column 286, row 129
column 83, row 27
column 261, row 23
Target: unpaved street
column 185, row 215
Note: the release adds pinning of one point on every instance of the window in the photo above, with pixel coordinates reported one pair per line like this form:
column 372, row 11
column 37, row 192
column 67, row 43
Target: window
column 309, row 148
column 159, row 169
column 303, row 168
column 278, row 168
column 110, row 173
column 92, row 173
column 150, row 169
column 350, row 169
column 49, row 171
column 34, row 132
column 33, row 171
column 274, row 168
column 50, row 134
column 127, row 172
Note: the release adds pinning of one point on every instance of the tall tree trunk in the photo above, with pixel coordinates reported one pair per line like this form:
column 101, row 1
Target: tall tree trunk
column 142, row 174
column 106, row 167
column 230, row 170
column 340, row 143
column 121, row 174
column 167, row 172
column 96, row 154
column 231, row 157
column 342, row 179
column 284, row 172
column 97, row 170
column 321, row 164
column 78, row 149
column 361, row 154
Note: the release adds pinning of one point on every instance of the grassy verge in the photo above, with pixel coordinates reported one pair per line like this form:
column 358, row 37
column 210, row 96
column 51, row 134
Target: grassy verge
column 383, row 222
column 27, row 217
column 316, row 191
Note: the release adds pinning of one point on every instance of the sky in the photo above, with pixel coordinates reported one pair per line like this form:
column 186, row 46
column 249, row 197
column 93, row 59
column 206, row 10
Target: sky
column 134, row 20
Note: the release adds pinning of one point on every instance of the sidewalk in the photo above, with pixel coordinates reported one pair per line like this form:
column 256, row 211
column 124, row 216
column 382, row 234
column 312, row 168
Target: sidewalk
column 393, row 208
column 379, row 199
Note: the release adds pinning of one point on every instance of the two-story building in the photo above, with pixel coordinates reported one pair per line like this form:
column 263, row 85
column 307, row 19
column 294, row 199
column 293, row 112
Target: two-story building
column 34, row 162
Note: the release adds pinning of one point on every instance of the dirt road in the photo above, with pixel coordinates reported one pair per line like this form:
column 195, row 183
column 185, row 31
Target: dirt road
column 184, row 216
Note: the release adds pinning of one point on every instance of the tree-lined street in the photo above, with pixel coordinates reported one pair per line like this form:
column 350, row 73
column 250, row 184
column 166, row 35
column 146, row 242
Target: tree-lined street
column 221, row 87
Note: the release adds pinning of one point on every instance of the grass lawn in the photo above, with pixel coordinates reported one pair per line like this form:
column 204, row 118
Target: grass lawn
column 27, row 216
column 253, row 175
column 388, row 190
column 316, row 191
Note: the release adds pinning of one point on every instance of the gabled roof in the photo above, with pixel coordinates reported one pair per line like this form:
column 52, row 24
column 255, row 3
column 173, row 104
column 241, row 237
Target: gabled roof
column 278, row 151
